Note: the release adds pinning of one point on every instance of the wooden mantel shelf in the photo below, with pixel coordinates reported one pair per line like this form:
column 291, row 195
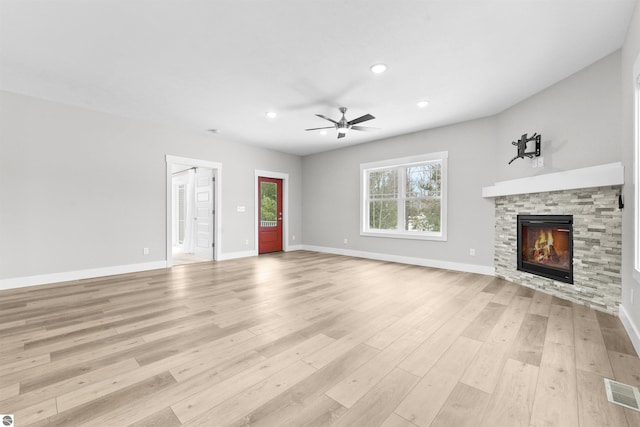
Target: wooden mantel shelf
column 594, row 176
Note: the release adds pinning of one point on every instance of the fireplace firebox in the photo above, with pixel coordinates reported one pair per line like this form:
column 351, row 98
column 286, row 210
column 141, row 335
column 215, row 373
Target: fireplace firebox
column 545, row 246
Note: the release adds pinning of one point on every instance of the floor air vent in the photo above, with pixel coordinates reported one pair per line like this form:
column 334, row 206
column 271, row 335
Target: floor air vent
column 622, row 394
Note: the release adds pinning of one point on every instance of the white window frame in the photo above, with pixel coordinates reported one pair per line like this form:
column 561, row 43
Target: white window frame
column 636, row 168
column 400, row 232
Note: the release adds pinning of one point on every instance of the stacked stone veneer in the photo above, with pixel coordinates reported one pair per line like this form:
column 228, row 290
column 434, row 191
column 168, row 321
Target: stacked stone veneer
column 597, row 243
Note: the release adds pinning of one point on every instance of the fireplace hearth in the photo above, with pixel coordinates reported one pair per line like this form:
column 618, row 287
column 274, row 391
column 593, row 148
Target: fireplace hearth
column 545, row 246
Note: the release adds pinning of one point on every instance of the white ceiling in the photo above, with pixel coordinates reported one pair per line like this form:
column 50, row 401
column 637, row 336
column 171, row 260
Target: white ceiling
column 224, row 63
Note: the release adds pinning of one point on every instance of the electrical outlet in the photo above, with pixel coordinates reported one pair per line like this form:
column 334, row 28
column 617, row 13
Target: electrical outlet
column 537, row 162
column 246, row 242
column 145, row 251
column 472, row 252
column 346, row 241
column 293, row 237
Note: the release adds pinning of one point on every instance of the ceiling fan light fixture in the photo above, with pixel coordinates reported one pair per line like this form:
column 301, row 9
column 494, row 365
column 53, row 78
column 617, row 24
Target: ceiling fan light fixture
column 422, row 104
column 378, row 68
column 343, row 130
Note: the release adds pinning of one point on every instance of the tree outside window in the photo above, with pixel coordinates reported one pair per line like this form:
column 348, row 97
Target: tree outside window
column 383, row 203
column 268, row 201
column 422, row 201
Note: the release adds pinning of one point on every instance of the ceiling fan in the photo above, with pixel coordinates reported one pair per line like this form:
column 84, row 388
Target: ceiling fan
column 343, row 126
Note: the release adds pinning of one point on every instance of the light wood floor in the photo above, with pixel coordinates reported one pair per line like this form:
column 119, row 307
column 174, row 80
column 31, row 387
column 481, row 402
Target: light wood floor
column 304, row 338
column 181, row 258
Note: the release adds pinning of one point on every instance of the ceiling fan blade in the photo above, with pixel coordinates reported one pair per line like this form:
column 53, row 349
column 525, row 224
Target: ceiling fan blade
column 360, row 119
column 341, row 135
column 364, row 128
column 326, row 118
column 328, row 127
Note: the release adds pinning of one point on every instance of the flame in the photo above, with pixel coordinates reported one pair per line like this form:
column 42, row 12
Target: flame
column 546, row 248
column 544, row 239
column 543, row 244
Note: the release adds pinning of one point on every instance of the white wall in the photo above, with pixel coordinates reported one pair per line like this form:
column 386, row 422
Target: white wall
column 331, row 189
column 578, row 118
column 630, row 51
column 85, row 190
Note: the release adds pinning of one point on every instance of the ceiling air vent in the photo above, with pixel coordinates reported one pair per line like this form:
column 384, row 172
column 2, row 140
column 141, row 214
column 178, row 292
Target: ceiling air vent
column 622, row 394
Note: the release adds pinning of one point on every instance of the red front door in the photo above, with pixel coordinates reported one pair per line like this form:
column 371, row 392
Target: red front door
column 270, row 211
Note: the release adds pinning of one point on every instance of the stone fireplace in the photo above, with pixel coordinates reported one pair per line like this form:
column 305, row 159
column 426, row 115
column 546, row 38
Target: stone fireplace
column 596, row 227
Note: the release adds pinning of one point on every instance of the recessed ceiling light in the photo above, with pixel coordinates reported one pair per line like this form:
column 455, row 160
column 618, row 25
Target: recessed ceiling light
column 271, row 114
column 378, row 68
column 214, row 130
column 422, row 104
column 323, row 132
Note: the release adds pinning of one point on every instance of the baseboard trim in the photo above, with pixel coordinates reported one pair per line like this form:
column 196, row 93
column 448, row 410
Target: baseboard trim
column 467, row 268
column 44, row 279
column 632, row 329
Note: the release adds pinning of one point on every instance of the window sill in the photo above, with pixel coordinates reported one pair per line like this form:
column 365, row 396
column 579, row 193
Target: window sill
column 392, row 235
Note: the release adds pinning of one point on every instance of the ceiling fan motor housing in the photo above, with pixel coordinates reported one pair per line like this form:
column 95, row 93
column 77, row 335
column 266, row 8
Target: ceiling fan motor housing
column 343, row 125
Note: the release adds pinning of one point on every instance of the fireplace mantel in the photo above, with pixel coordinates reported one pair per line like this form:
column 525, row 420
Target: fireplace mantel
column 594, row 176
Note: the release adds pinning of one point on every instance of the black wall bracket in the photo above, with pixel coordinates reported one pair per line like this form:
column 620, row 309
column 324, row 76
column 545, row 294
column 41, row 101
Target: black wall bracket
column 522, row 147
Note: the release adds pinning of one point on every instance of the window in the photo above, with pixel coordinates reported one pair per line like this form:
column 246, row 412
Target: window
column 268, row 204
column 405, row 198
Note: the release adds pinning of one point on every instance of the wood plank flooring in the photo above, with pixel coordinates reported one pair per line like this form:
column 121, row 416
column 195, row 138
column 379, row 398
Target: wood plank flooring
column 307, row 339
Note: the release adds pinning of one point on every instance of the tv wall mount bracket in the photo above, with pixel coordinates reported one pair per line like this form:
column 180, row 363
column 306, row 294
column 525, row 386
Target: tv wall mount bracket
column 522, row 147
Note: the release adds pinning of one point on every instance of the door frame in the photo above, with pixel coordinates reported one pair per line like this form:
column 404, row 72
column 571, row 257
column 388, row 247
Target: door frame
column 217, row 202
column 285, row 206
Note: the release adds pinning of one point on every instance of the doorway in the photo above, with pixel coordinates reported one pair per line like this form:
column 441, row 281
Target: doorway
column 281, row 231
column 192, row 202
column 270, row 215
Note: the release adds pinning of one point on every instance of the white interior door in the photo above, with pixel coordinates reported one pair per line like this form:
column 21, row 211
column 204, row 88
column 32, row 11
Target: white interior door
column 204, row 225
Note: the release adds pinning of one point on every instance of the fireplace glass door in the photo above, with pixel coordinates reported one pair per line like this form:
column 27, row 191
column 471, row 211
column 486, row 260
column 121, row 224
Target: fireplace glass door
column 545, row 246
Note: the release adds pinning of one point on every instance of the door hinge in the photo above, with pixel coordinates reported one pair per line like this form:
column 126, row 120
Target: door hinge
column 213, row 212
column 213, row 245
